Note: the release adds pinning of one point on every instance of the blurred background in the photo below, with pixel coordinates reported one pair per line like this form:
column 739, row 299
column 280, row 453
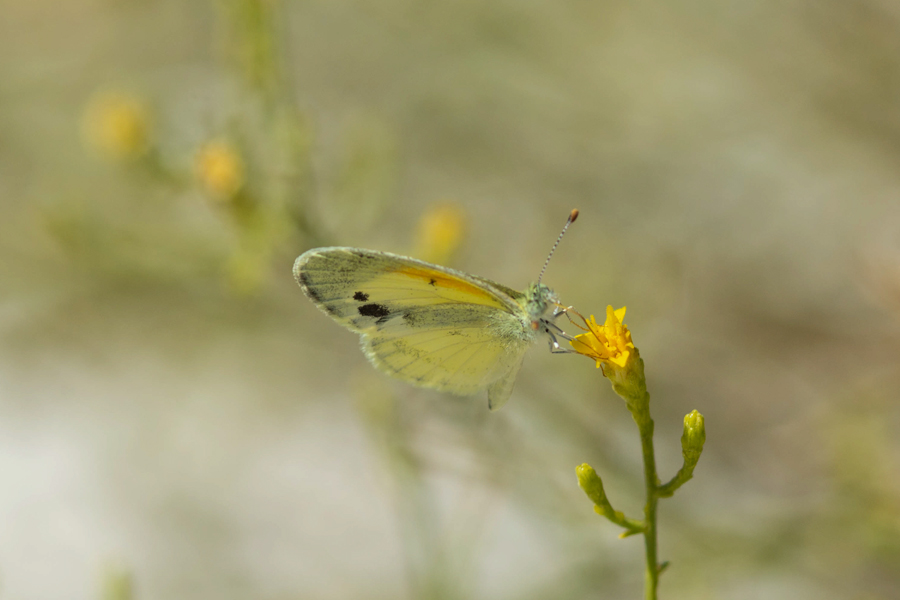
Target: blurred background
column 178, row 421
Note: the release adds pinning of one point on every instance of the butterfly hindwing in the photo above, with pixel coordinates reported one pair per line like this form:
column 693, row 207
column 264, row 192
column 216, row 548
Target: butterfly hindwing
column 500, row 391
column 462, row 358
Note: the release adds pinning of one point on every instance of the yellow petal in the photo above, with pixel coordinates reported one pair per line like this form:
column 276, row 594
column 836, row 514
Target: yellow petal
column 611, row 318
column 621, row 359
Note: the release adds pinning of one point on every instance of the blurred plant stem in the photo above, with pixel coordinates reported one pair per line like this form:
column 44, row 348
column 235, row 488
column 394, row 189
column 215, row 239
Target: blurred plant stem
column 611, row 347
column 418, row 519
column 426, row 555
column 255, row 47
column 252, row 43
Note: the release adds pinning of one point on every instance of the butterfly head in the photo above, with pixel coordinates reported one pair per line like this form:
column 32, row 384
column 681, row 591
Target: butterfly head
column 539, row 299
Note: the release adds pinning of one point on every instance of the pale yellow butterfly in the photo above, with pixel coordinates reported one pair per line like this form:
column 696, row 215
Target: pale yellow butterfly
column 429, row 325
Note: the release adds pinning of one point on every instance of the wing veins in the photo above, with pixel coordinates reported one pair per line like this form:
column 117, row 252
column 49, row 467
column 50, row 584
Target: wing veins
column 426, row 341
column 478, row 345
column 430, row 371
column 478, row 348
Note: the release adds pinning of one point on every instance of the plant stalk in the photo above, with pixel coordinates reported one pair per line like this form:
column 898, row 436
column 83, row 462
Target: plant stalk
column 640, row 412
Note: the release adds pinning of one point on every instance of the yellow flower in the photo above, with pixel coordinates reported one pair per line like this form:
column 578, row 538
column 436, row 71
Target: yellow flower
column 118, row 125
column 118, row 584
column 219, row 169
column 610, row 344
column 440, row 232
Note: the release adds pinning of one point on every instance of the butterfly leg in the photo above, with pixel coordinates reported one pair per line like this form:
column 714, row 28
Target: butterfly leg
column 556, row 328
column 555, row 348
column 559, row 309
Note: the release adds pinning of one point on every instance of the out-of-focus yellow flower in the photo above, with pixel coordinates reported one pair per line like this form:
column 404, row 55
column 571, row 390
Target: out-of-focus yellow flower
column 440, row 232
column 609, row 343
column 220, row 169
column 118, row 584
column 118, row 125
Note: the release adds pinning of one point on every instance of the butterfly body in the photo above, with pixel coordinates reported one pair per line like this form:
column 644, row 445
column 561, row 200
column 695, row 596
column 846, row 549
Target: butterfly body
column 425, row 324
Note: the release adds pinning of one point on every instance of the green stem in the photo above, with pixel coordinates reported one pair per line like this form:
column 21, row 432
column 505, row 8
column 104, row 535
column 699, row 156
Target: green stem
column 629, row 382
column 592, row 485
column 631, row 526
column 641, row 416
column 691, row 447
column 683, row 476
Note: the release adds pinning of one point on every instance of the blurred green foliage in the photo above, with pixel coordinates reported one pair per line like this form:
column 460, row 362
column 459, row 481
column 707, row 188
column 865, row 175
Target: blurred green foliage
column 171, row 402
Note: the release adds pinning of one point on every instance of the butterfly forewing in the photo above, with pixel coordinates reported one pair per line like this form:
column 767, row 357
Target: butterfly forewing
column 357, row 287
column 428, row 325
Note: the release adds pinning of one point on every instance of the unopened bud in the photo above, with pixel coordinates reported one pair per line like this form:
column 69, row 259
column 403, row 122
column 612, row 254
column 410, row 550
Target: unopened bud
column 590, row 482
column 693, row 438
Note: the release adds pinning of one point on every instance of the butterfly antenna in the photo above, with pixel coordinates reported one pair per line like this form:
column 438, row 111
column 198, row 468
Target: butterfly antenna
column 572, row 216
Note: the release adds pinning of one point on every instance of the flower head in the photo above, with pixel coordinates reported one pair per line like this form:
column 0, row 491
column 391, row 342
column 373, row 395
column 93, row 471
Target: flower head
column 118, row 125
column 440, row 231
column 219, row 169
column 610, row 345
column 607, row 344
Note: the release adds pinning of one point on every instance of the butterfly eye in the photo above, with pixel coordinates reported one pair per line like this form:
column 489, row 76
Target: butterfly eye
column 535, row 325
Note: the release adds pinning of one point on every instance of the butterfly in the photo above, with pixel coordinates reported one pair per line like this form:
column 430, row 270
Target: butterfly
column 429, row 325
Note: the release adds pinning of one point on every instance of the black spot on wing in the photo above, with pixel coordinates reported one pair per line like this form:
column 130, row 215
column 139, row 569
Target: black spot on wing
column 360, row 296
column 432, row 282
column 378, row 311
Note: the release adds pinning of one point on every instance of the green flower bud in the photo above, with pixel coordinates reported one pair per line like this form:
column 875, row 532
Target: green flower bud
column 590, row 482
column 693, row 438
column 592, row 485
